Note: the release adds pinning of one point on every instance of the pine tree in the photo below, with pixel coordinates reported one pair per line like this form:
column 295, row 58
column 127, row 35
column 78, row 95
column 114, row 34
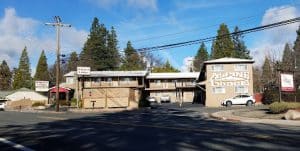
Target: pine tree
column 167, row 67
column 112, row 45
column 212, row 50
column 297, row 58
column 223, row 45
column 201, row 56
column 100, row 48
column 288, row 59
column 132, row 60
column 42, row 72
column 5, row 76
column 240, row 48
column 72, row 62
column 92, row 47
column 266, row 72
column 22, row 77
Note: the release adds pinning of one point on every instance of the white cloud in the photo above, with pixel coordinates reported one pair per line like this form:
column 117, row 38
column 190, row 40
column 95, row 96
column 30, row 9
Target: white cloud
column 17, row 32
column 138, row 4
column 275, row 39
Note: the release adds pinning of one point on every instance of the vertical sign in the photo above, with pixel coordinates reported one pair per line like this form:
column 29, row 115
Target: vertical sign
column 287, row 82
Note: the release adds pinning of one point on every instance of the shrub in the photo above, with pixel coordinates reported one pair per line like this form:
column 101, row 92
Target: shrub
column 35, row 104
column 281, row 107
column 270, row 94
column 64, row 103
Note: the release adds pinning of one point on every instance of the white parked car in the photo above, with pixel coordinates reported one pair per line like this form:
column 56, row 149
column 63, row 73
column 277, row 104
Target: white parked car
column 239, row 100
column 151, row 99
column 165, row 99
column 2, row 106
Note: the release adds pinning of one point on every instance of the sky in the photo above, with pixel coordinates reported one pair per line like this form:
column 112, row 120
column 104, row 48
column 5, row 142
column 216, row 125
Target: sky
column 145, row 23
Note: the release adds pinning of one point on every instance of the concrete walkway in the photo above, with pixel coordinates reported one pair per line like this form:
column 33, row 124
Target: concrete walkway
column 229, row 116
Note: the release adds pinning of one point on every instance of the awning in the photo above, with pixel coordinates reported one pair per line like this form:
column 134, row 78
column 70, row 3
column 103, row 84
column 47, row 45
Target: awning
column 61, row 89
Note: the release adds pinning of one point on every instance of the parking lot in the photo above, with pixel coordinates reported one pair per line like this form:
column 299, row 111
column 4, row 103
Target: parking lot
column 166, row 127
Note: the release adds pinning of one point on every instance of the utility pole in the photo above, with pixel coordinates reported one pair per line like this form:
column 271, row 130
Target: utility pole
column 57, row 24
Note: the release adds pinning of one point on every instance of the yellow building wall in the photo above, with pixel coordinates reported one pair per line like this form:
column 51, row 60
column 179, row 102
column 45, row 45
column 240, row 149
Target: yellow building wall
column 241, row 78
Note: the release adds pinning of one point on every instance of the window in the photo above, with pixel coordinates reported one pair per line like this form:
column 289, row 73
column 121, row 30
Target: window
column 241, row 89
column 70, row 80
column 240, row 67
column 96, row 80
column 217, row 90
column 217, row 67
column 109, row 79
column 157, row 82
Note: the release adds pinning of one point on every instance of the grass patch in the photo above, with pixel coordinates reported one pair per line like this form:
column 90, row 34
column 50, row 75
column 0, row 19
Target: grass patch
column 35, row 104
column 281, row 107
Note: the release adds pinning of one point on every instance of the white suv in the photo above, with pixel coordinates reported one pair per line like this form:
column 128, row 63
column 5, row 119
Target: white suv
column 239, row 100
column 2, row 106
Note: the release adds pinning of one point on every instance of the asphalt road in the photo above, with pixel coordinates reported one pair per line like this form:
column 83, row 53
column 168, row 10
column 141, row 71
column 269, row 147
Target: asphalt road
column 161, row 128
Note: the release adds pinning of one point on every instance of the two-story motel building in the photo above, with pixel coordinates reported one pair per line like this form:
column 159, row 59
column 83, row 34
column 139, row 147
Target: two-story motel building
column 219, row 79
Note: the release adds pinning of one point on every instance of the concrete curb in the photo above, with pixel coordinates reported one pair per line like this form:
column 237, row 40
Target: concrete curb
column 228, row 116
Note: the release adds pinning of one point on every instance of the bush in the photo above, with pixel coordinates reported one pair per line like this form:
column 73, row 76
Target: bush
column 73, row 102
column 278, row 107
column 64, row 103
column 281, row 107
column 270, row 95
column 35, row 104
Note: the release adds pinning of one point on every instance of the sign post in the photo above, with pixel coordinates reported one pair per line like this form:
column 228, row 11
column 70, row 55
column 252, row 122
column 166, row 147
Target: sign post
column 81, row 71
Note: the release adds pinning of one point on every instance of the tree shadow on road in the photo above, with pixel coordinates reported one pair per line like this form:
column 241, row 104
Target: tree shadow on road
column 157, row 129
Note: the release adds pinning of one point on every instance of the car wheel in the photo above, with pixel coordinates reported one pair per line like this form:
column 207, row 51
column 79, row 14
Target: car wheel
column 228, row 103
column 249, row 103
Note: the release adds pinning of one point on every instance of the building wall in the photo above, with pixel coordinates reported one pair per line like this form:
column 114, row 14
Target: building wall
column 110, row 97
column 162, row 87
column 227, row 81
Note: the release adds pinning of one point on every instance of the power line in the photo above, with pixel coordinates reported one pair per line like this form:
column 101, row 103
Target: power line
column 206, row 27
column 255, row 29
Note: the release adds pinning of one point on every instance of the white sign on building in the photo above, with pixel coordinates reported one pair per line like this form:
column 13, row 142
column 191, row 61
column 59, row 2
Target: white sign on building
column 230, row 79
column 287, row 82
column 41, row 86
column 83, row 70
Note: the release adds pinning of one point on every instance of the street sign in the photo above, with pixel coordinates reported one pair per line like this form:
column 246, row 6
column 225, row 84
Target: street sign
column 41, row 86
column 83, row 70
column 287, row 82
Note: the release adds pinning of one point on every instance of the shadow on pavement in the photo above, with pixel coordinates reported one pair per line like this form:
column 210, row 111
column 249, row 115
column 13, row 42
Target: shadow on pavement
column 157, row 129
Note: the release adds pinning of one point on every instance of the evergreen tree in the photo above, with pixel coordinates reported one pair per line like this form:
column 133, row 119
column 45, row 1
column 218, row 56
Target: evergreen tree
column 100, row 50
column 22, row 77
column 297, row 58
column 223, row 45
column 240, row 48
column 167, row 67
column 212, row 51
column 112, row 45
column 267, row 73
column 5, row 76
column 42, row 72
column 52, row 75
column 288, row 59
column 201, row 56
column 73, row 62
column 132, row 60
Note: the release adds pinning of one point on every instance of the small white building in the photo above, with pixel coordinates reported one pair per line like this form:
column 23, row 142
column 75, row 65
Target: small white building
column 26, row 94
